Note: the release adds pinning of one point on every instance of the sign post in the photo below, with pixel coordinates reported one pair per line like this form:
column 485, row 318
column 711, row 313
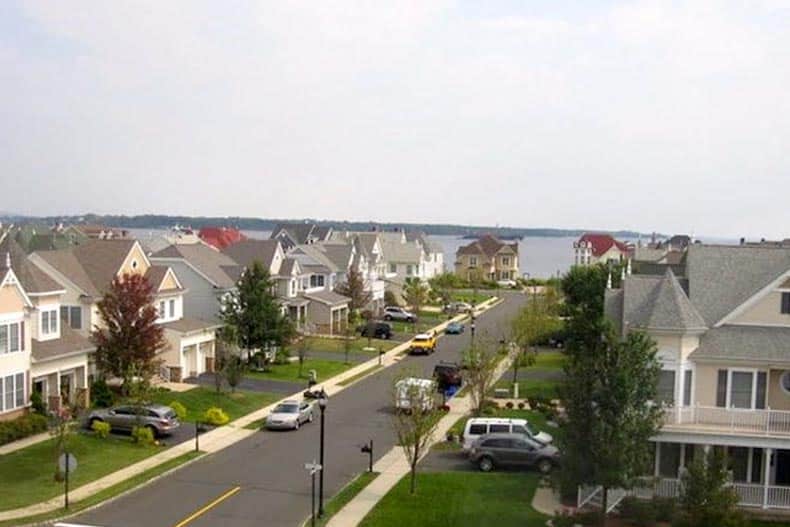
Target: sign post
column 312, row 468
column 67, row 463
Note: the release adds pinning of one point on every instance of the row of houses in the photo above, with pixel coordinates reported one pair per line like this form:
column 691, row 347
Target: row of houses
column 49, row 294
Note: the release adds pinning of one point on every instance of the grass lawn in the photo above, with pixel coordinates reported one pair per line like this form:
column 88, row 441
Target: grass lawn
column 324, row 369
column 460, row 499
column 469, row 297
column 107, row 493
column 200, row 399
column 547, row 361
column 358, row 345
column 345, row 495
column 27, row 475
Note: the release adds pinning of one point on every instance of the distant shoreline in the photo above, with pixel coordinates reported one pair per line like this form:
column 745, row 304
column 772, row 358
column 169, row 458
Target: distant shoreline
column 148, row 221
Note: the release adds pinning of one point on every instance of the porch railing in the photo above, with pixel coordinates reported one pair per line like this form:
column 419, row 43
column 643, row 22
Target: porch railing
column 732, row 419
column 749, row 494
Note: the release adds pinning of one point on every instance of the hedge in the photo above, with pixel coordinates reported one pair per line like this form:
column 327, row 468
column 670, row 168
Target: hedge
column 22, row 427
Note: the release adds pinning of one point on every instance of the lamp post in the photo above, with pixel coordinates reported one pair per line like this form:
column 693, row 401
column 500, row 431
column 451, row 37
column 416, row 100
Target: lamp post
column 321, row 404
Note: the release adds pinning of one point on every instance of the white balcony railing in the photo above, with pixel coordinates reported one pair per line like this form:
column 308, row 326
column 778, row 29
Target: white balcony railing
column 730, row 419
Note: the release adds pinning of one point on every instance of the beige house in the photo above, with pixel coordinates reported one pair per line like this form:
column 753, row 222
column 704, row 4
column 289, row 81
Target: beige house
column 87, row 270
column 487, row 258
column 723, row 336
column 37, row 351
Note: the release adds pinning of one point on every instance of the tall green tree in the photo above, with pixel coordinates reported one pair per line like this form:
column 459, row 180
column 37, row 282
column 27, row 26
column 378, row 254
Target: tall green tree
column 130, row 338
column 354, row 288
column 705, row 497
column 415, row 293
column 253, row 314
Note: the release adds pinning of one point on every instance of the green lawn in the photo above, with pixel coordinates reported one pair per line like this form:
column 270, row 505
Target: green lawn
column 358, row 345
column 325, row 369
column 345, row 495
column 200, row 399
column 470, row 297
column 547, row 361
column 460, row 499
column 27, row 475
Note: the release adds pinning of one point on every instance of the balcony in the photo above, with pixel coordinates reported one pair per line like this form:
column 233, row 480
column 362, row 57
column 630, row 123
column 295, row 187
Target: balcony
column 716, row 419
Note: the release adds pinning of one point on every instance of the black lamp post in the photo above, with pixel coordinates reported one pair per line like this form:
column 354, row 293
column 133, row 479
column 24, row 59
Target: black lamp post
column 321, row 404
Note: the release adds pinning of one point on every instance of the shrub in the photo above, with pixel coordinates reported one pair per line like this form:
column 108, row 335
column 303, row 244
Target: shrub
column 101, row 429
column 509, row 405
column 281, row 356
column 143, row 435
column 179, row 409
column 215, row 416
column 37, row 401
column 641, row 513
column 563, row 519
column 665, row 508
column 101, row 395
column 22, row 427
column 521, row 405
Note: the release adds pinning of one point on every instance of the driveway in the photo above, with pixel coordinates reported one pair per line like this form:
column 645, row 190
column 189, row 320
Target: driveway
column 269, row 468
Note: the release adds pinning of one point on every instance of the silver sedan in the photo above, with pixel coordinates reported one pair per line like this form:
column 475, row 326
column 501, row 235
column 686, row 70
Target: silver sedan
column 289, row 415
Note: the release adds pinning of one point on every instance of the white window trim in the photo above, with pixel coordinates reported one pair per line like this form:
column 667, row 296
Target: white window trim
column 754, row 372
column 781, row 384
column 48, row 312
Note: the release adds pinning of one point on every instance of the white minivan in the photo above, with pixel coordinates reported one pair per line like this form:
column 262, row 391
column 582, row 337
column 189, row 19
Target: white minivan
column 480, row 426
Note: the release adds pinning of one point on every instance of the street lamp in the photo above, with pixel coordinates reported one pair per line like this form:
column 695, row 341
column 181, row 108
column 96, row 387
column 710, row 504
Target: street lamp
column 321, row 404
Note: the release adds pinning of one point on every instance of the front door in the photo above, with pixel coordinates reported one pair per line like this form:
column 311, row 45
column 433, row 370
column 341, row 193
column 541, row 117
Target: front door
column 782, row 461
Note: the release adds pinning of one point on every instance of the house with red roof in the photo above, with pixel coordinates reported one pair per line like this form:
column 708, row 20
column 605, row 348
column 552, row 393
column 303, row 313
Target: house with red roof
column 593, row 248
column 220, row 237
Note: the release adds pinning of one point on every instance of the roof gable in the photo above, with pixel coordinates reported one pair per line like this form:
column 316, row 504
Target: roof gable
column 601, row 243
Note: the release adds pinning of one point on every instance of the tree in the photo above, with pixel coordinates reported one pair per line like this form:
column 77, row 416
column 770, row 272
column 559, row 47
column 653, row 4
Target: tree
column 129, row 340
column 608, row 395
column 705, row 496
column 534, row 323
column 253, row 313
column 301, row 353
column 233, row 371
column 413, row 427
column 481, row 361
column 354, row 288
column 415, row 293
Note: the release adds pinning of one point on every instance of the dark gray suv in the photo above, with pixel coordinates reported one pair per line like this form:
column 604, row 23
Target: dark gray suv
column 162, row 420
column 514, row 450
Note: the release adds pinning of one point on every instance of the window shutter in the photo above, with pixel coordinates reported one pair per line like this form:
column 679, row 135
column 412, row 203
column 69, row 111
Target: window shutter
column 22, row 335
column 721, row 389
column 762, row 380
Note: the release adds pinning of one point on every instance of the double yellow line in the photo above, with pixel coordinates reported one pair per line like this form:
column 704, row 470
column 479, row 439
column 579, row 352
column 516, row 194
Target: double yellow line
column 208, row 507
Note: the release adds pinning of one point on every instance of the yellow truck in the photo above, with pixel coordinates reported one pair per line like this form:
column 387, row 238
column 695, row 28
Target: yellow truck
column 424, row 343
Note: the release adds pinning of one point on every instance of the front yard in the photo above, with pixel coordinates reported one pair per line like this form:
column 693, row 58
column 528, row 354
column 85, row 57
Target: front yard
column 324, row 369
column 540, row 380
column 28, row 475
column 200, row 399
column 338, row 345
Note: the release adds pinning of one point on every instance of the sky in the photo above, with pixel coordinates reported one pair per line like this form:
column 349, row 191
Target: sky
column 649, row 115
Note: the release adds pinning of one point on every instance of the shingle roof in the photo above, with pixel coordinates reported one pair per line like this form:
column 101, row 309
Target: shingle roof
column 394, row 251
column 287, row 267
column 488, row 245
column 190, row 325
column 329, row 298
column 33, row 279
column 752, row 344
column 602, row 243
column 219, row 268
column 70, row 342
column 654, row 302
column 247, row 251
column 339, row 254
column 313, row 256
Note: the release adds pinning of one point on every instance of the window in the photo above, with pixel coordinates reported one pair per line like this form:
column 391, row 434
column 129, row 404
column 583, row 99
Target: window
column 785, row 308
column 172, row 309
column 666, row 386
column 20, row 390
column 71, row 315
column 473, row 261
column 317, row 280
column 162, row 312
column 12, row 337
column 3, row 339
column 497, row 443
column 49, row 322
column 393, row 268
column 669, row 460
column 478, row 430
column 409, row 270
column 741, row 389
column 687, row 377
column 505, row 260
column 500, row 428
column 784, row 382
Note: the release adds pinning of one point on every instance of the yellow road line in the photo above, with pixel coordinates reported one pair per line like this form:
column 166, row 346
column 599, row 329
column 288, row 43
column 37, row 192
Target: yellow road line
column 208, row 507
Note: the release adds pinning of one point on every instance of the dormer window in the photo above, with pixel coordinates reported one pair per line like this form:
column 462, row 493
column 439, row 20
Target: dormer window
column 49, row 322
column 785, row 307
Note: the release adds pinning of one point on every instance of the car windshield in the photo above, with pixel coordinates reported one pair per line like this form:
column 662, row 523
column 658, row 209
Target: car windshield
column 286, row 409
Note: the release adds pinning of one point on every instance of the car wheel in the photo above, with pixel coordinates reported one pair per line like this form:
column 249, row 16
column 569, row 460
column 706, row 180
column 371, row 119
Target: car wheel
column 310, row 417
column 387, row 317
column 544, row 466
column 486, row 464
column 296, row 426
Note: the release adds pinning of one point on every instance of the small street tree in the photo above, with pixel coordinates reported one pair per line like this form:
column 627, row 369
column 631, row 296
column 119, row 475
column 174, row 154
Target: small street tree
column 130, row 338
column 233, row 371
column 415, row 293
column 253, row 312
column 481, row 361
column 534, row 323
column 354, row 288
column 415, row 426
column 705, row 496
column 301, row 353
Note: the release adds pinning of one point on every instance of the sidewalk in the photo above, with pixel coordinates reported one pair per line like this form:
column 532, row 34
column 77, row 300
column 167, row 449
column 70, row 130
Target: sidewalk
column 216, row 439
column 394, row 465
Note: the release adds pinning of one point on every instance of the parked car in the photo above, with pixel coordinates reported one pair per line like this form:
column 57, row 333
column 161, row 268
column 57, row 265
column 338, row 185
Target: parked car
column 515, row 450
column 398, row 313
column 477, row 427
column 454, row 328
column 423, row 343
column 290, row 415
column 411, row 392
column 160, row 419
column 458, row 307
column 507, row 283
column 447, row 374
column 377, row 330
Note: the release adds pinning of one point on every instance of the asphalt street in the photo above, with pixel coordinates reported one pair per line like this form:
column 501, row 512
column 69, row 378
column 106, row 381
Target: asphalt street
column 268, row 468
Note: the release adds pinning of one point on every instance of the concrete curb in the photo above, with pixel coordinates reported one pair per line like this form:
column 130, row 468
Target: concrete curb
column 225, row 436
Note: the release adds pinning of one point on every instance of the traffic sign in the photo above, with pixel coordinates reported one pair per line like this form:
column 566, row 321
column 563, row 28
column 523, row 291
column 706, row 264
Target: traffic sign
column 65, row 458
column 312, row 467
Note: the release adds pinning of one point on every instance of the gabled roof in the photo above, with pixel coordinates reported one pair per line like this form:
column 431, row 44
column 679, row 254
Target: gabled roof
column 288, row 267
column 247, row 251
column 671, row 308
column 329, row 298
column 156, row 274
column 301, row 233
column 487, row 245
column 32, row 279
column 395, row 251
column 221, row 237
column 218, row 268
column 313, row 256
column 601, row 243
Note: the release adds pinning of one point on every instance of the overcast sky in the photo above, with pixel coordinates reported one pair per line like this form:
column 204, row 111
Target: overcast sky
column 650, row 115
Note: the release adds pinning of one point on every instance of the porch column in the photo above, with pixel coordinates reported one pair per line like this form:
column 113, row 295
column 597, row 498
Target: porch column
column 656, row 468
column 767, row 453
column 682, row 464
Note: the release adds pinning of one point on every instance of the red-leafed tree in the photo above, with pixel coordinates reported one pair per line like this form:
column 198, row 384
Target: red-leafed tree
column 129, row 338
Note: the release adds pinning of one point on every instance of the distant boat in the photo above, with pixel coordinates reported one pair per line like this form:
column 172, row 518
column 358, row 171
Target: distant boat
column 504, row 237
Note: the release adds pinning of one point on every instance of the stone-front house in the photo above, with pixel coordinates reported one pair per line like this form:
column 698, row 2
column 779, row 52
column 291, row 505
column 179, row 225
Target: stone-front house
column 39, row 350
column 487, row 258
column 723, row 333
column 87, row 271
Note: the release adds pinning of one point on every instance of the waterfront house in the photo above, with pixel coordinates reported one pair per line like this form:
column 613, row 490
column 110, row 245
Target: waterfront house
column 594, row 248
column 487, row 258
column 293, row 234
column 220, row 237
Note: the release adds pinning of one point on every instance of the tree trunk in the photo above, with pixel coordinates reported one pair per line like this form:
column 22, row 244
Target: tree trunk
column 413, row 486
column 604, row 505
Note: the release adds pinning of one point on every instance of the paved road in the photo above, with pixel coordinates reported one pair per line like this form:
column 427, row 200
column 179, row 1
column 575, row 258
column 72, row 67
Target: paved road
column 269, row 466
